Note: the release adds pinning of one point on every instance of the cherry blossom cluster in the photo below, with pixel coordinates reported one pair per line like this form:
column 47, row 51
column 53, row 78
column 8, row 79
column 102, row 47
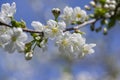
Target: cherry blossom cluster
column 106, row 12
column 108, row 6
column 70, row 41
column 76, row 15
column 11, row 39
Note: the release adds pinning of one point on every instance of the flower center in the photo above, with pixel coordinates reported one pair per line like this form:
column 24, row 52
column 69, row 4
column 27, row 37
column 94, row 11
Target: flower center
column 54, row 30
column 85, row 50
column 64, row 42
column 13, row 38
column 78, row 15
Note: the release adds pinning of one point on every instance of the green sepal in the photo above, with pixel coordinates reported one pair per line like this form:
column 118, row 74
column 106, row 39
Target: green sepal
column 17, row 24
column 80, row 32
column 28, row 46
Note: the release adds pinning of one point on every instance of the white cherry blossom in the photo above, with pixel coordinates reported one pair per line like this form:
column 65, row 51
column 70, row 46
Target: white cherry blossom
column 87, row 49
column 54, row 29
column 79, row 14
column 16, row 38
column 67, row 15
column 64, row 43
column 71, row 15
column 7, row 11
column 74, row 45
column 77, row 42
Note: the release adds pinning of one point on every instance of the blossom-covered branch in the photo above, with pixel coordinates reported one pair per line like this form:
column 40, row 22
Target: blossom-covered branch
column 64, row 29
column 24, row 29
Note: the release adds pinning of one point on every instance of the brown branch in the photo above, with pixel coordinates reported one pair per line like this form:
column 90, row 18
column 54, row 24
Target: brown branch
column 67, row 29
column 24, row 29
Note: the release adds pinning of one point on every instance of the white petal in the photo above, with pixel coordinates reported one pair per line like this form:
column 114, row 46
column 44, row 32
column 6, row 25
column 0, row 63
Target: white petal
column 62, row 25
column 37, row 25
column 20, row 46
column 51, row 23
column 4, row 38
column 92, row 45
column 5, row 7
column 23, row 37
column 10, row 47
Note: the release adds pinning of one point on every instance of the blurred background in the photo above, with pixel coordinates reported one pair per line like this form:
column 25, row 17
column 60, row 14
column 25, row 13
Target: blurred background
column 104, row 64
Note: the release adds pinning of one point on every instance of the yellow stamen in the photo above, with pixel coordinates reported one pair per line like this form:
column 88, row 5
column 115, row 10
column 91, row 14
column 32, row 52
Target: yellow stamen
column 64, row 42
column 13, row 38
column 78, row 15
column 55, row 30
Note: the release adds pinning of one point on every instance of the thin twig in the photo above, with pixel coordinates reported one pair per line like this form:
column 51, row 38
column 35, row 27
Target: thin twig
column 85, row 23
column 81, row 25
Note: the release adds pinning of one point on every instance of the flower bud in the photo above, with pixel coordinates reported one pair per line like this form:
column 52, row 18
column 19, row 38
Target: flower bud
column 106, row 6
column 106, row 21
column 29, row 55
column 56, row 12
column 87, row 7
column 112, row 7
column 92, row 3
column 108, row 1
column 107, row 15
column 112, row 13
column 92, row 15
column 105, row 31
column 113, row 2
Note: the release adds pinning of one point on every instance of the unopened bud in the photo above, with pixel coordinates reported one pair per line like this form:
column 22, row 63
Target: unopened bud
column 112, row 13
column 106, row 21
column 92, row 15
column 56, row 12
column 92, row 3
column 112, row 7
column 113, row 2
column 105, row 31
column 106, row 6
column 29, row 55
column 107, row 15
column 87, row 7
column 108, row 1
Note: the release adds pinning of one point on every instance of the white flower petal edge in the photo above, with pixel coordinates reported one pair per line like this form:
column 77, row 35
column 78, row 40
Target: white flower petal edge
column 87, row 49
column 37, row 25
column 8, row 9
